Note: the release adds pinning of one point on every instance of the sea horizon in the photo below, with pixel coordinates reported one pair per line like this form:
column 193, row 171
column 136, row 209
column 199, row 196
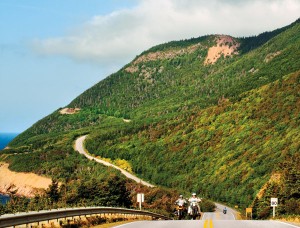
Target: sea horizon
column 6, row 138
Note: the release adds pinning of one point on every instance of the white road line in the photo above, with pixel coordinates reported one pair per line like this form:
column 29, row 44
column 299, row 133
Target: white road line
column 288, row 224
column 234, row 218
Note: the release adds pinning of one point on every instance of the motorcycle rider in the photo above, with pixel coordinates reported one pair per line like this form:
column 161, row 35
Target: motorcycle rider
column 194, row 199
column 180, row 205
column 180, row 201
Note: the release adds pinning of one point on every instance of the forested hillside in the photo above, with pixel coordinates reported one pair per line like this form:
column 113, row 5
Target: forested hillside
column 214, row 114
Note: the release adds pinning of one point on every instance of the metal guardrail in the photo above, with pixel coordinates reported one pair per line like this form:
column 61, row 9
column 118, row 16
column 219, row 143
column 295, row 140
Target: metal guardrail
column 34, row 217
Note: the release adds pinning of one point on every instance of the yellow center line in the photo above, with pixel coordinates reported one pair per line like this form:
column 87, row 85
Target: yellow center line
column 211, row 223
column 205, row 223
column 208, row 222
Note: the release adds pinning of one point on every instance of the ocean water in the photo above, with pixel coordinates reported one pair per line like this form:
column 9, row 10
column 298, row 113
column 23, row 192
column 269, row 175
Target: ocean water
column 5, row 138
column 3, row 199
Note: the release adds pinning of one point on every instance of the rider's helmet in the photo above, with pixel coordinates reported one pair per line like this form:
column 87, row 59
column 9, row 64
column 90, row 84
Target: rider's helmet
column 194, row 194
column 180, row 196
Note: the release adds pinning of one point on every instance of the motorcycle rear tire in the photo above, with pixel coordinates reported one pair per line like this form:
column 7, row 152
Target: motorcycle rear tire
column 195, row 213
column 179, row 214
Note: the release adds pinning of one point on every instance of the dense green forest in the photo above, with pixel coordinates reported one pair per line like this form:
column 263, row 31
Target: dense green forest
column 226, row 152
column 221, row 130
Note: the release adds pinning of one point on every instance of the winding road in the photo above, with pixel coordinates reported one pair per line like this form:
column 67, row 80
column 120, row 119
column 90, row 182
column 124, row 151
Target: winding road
column 210, row 220
column 80, row 148
column 218, row 214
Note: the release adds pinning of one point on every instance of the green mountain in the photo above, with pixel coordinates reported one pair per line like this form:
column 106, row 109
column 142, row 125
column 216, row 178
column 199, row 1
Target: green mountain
column 216, row 114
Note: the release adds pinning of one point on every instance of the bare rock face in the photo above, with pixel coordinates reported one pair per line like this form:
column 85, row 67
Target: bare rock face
column 225, row 45
column 160, row 55
column 69, row 111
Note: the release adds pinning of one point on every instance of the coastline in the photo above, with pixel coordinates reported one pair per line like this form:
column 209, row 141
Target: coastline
column 6, row 138
column 26, row 184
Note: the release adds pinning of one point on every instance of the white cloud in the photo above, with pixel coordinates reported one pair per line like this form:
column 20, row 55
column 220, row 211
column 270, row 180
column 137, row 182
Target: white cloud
column 114, row 39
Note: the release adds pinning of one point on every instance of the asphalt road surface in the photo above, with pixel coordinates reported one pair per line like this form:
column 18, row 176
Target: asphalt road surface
column 210, row 220
column 207, row 223
column 219, row 215
column 80, row 148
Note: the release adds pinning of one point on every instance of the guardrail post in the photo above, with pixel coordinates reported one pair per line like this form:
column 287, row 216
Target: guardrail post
column 46, row 217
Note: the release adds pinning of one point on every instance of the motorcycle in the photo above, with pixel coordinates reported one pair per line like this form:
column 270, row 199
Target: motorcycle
column 194, row 210
column 180, row 211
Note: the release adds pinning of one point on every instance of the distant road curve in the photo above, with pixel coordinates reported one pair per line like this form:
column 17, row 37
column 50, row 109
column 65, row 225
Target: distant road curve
column 218, row 214
column 80, row 148
column 207, row 224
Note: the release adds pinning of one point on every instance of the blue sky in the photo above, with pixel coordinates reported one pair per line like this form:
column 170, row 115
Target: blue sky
column 53, row 50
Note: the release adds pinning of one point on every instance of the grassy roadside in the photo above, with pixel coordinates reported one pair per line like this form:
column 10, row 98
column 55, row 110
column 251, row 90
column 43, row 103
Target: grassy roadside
column 113, row 224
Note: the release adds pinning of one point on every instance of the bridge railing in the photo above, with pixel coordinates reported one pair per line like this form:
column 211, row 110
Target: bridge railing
column 41, row 216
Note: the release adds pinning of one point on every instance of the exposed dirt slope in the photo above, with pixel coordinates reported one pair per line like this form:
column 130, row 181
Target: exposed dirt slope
column 225, row 46
column 27, row 184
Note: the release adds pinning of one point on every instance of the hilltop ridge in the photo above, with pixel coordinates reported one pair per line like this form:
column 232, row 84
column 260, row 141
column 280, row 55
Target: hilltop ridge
column 214, row 114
